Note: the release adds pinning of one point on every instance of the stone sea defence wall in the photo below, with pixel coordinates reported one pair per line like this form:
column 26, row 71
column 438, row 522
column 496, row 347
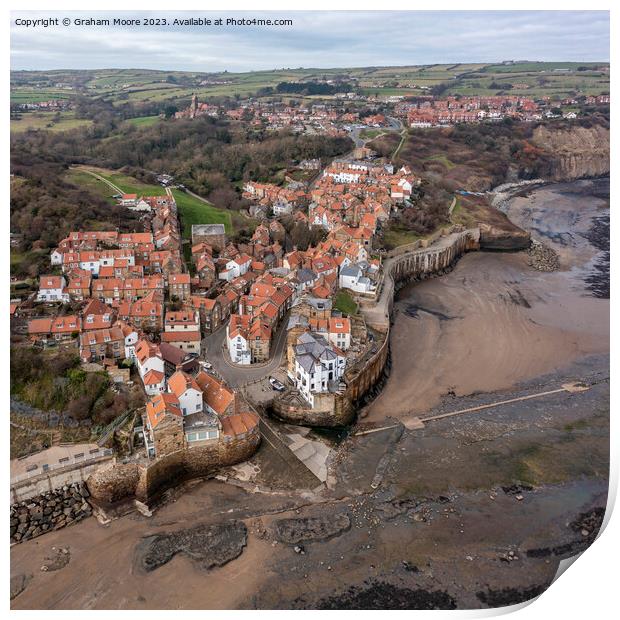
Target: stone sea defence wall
column 434, row 259
column 418, row 264
column 145, row 482
column 26, row 488
column 49, row 511
column 337, row 410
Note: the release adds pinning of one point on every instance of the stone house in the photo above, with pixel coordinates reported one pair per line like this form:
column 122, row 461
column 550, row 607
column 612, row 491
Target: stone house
column 182, row 329
column 163, row 425
column 179, row 286
column 98, row 344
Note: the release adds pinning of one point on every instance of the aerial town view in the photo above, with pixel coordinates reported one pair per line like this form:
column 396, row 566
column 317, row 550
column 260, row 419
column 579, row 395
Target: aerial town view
column 332, row 335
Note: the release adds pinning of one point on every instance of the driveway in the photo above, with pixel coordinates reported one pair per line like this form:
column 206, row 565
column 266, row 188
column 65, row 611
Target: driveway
column 239, row 375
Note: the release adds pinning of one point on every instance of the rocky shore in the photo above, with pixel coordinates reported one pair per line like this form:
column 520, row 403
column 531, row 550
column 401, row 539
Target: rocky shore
column 207, row 545
column 50, row 511
column 542, row 258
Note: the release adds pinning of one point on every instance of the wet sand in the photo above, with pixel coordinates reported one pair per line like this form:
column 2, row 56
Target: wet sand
column 439, row 530
column 495, row 321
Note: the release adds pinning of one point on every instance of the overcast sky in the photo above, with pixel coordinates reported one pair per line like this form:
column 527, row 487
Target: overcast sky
column 316, row 39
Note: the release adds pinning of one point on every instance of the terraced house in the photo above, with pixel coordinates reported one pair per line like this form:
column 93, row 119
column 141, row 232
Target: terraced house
column 182, row 329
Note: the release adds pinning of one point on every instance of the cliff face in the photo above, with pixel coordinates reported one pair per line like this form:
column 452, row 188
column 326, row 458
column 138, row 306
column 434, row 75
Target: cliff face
column 574, row 153
column 506, row 236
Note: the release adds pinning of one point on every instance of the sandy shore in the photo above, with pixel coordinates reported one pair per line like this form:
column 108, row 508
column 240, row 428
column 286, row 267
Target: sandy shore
column 494, row 321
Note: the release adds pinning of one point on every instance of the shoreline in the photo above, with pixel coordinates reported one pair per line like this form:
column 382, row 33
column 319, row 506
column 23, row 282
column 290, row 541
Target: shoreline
column 518, row 303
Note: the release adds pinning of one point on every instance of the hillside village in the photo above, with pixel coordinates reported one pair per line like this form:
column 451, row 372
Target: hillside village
column 128, row 303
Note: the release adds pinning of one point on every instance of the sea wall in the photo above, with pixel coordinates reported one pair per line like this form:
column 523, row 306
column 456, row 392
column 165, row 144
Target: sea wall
column 49, row 480
column 419, row 264
column 146, row 481
column 433, row 259
column 339, row 409
column 334, row 410
column 49, row 511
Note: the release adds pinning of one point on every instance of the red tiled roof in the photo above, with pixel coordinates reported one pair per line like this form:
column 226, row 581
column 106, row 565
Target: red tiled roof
column 153, row 377
column 48, row 282
column 160, row 405
column 239, row 423
column 214, row 393
column 180, row 336
column 180, row 382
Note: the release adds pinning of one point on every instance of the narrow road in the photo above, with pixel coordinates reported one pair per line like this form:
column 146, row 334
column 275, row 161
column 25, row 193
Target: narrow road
column 235, row 375
column 403, row 135
column 187, row 191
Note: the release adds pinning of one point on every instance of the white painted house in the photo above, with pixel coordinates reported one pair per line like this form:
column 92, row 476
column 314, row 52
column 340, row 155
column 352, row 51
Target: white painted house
column 128, row 200
column 353, row 278
column 56, row 257
column 141, row 205
column 345, row 176
column 52, row 288
column 235, row 267
column 236, row 339
column 185, row 388
column 154, row 382
column 131, row 339
column 148, row 357
column 339, row 333
column 282, row 207
column 318, row 367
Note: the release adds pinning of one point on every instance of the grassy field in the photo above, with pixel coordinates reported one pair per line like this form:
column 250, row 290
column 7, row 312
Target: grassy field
column 395, row 236
column 24, row 95
column 144, row 121
column 48, row 121
column 442, row 159
column 464, row 216
column 540, row 66
column 371, row 134
column 191, row 210
column 344, row 302
column 90, row 183
column 194, row 211
column 555, row 79
column 130, row 185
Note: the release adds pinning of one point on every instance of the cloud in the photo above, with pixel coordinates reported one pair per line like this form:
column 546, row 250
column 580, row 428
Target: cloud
column 318, row 39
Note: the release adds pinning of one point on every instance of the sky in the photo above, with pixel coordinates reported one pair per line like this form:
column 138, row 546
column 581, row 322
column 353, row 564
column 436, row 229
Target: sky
column 320, row 39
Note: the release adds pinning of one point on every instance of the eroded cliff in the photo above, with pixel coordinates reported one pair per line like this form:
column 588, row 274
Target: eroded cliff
column 574, row 151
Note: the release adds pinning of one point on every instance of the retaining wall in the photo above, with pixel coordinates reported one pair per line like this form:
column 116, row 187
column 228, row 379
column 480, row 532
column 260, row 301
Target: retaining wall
column 54, row 478
column 145, row 482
